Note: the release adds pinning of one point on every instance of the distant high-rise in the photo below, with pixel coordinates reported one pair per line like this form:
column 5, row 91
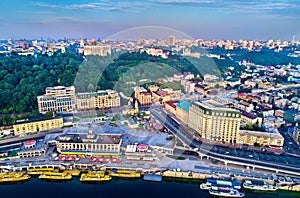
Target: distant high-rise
column 171, row 40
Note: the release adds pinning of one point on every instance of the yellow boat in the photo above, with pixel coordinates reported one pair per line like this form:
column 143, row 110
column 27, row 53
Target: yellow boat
column 124, row 173
column 14, row 177
column 39, row 171
column 94, row 177
column 56, row 176
column 73, row 172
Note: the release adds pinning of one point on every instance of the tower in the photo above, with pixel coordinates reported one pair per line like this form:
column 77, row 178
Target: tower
column 136, row 106
column 81, row 43
column 62, row 47
column 171, row 40
column 293, row 40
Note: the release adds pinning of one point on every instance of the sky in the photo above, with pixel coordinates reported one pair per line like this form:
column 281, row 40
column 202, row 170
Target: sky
column 206, row 19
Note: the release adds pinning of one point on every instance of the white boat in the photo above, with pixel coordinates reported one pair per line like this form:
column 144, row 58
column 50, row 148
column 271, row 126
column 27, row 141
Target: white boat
column 220, row 183
column 258, row 185
column 205, row 186
column 225, row 192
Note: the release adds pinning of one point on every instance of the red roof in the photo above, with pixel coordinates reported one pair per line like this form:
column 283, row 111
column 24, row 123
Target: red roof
column 142, row 147
column 172, row 103
column 30, row 143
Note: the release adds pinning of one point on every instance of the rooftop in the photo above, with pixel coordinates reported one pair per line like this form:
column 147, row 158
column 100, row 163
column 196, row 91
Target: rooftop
column 35, row 120
column 208, row 104
column 264, row 134
column 185, row 105
column 90, row 138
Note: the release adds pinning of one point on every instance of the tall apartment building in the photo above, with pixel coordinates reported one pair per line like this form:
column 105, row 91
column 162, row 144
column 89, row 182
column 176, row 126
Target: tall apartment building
column 101, row 50
column 58, row 99
column 214, row 122
column 98, row 100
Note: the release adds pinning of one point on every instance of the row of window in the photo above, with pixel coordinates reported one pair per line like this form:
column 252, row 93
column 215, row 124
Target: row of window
column 95, row 147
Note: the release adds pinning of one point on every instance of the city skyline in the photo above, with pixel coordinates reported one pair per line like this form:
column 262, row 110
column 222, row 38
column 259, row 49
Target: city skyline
column 207, row 19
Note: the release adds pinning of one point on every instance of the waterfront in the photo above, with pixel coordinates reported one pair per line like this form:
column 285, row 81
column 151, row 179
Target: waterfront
column 117, row 188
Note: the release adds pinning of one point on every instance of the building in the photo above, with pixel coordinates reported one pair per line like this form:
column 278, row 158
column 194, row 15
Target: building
column 245, row 106
column 292, row 116
column 41, row 124
column 182, row 111
column 171, row 106
column 295, row 134
column 32, row 148
column 268, row 139
column 214, row 122
column 98, row 100
column 57, row 99
column 143, row 96
column 161, row 96
column 171, row 40
column 101, row 50
column 89, row 144
column 250, row 118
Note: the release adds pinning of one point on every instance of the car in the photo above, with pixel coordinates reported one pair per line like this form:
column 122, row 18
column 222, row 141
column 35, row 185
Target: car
column 251, row 156
column 290, row 143
column 226, row 153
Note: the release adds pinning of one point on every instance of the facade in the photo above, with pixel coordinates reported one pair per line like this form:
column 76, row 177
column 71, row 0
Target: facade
column 98, row 100
column 251, row 119
column 143, row 96
column 214, row 122
column 171, row 106
column 26, row 126
column 101, row 50
column 268, row 139
column 89, row 144
column 57, row 99
column 161, row 96
column 31, row 148
column 182, row 111
column 292, row 116
column 245, row 106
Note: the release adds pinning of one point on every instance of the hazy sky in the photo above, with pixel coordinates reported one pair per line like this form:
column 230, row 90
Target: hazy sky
column 208, row 19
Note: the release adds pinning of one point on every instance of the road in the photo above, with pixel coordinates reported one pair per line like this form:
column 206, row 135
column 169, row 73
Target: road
column 206, row 149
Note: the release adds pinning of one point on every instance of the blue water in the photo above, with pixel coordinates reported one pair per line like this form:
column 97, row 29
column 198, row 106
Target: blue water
column 36, row 188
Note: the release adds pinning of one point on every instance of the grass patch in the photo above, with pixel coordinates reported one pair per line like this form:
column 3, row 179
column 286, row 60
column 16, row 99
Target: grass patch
column 176, row 157
column 116, row 117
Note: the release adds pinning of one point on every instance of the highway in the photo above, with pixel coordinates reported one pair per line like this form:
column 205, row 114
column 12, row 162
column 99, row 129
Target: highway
column 187, row 139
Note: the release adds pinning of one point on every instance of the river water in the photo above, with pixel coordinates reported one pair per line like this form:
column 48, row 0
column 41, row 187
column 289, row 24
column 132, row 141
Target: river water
column 36, row 188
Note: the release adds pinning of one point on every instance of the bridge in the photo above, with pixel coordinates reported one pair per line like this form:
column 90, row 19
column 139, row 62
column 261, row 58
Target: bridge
column 188, row 141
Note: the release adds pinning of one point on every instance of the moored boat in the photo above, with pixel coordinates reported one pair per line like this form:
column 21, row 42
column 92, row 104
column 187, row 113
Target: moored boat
column 39, row 171
column 56, row 176
column 258, row 185
column 124, row 173
column 225, row 192
column 14, row 177
column 73, row 172
column 220, row 182
column 98, row 176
